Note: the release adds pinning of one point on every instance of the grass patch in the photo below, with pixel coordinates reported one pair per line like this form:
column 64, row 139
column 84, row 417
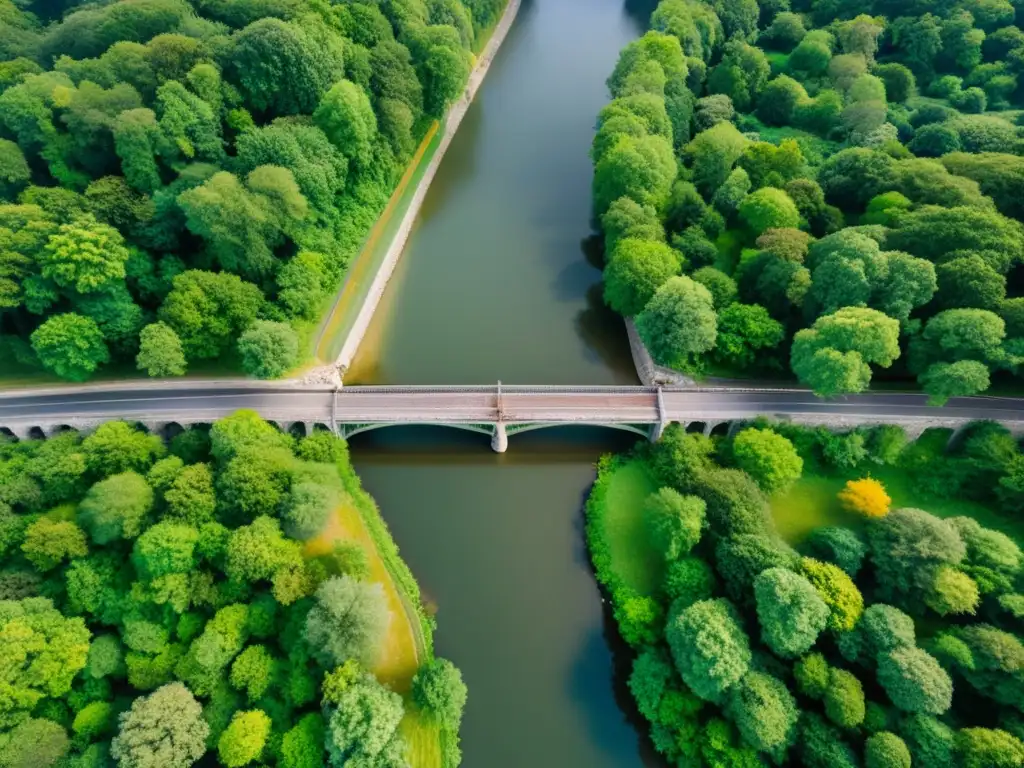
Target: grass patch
column 811, row 503
column 344, row 306
column 615, row 517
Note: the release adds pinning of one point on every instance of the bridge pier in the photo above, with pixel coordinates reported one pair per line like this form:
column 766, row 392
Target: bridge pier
column 499, row 439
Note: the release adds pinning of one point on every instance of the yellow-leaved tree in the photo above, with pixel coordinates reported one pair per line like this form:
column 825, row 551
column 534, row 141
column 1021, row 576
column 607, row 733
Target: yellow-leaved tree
column 866, row 497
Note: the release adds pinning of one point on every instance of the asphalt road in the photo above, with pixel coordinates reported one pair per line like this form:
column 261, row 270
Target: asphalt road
column 189, row 402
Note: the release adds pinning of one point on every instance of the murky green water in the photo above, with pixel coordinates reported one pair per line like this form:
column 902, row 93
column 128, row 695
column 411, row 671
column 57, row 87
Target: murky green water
column 495, row 285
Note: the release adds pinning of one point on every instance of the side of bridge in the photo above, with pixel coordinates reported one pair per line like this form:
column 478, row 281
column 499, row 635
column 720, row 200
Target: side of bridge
column 496, row 411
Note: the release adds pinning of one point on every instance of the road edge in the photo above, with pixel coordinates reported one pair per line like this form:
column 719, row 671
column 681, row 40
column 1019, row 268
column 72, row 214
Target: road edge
column 454, row 119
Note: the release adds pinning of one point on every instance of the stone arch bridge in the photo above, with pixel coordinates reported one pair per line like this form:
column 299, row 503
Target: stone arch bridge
column 498, row 411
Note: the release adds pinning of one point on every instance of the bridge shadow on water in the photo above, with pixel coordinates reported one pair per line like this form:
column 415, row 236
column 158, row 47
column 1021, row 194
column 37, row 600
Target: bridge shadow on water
column 542, row 446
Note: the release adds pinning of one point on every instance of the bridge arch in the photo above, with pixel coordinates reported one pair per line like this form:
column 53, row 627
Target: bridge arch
column 643, row 430
column 351, row 430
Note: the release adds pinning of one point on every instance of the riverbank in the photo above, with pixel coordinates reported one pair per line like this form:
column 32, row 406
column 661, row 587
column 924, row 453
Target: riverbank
column 409, row 642
column 367, row 305
column 685, row 564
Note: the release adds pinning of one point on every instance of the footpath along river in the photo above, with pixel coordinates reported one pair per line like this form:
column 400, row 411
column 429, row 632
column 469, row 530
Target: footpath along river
column 495, row 284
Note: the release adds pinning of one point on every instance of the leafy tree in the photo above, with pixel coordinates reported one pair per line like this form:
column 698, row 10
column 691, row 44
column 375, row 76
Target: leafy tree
column 285, row 67
column 346, row 621
column 362, row 727
column 307, row 509
column 768, row 457
column 675, row 521
column 778, row 101
column 886, row 750
column 833, row 355
column 208, row 309
column 744, row 331
column 845, row 602
column 764, row 713
column 346, row 116
column 116, row 446
column 710, row 649
column 945, row 380
column 844, row 699
column 257, row 551
column 969, row 281
column 84, row 256
column 907, row 547
column 822, row 745
column 116, row 508
column 812, row 675
column 268, row 349
column 34, row 742
column 438, row 689
column 929, row 739
column 678, row 322
column 162, row 729
column 978, row 747
column 989, row 659
column 190, row 496
column 713, row 154
column 70, row 345
column 48, row 542
column 43, row 652
column 688, row 580
column 881, row 629
column 641, row 169
column 914, row 681
column 160, row 351
column 952, row 592
column 840, row 546
column 626, row 218
column 721, row 287
column 865, row 497
column 935, row 140
column 636, row 270
column 900, row 83
column 244, row 738
column 303, row 745
column 790, row 611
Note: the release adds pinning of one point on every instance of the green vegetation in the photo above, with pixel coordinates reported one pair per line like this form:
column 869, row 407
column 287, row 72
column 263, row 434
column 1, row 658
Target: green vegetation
column 844, row 181
column 183, row 183
column 864, row 635
column 217, row 599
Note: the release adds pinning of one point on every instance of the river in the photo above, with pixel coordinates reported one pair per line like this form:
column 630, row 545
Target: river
column 496, row 283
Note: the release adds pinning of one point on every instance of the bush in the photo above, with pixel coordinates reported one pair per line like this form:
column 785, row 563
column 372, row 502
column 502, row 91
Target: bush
column 865, row 497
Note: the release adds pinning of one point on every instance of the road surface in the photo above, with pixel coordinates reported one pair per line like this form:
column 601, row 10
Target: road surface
column 195, row 402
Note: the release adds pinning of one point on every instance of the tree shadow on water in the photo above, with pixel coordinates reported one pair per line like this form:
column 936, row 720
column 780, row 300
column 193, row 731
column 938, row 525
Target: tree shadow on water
column 604, row 334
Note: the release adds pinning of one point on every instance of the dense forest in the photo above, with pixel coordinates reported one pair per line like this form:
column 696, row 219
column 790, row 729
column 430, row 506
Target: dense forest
column 820, row 187
column 180, row 181
column 159, row 605
column 889, row 640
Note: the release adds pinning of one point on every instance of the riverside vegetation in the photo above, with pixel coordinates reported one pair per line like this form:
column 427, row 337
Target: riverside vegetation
column 886, row 639
column 158, row 605
column 186, row 181
column 820, row 187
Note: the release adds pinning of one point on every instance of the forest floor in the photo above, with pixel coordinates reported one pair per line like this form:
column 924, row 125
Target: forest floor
column 403, row 648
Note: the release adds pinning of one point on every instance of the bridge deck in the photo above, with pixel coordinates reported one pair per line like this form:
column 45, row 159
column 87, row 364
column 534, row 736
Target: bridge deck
column 191, row 402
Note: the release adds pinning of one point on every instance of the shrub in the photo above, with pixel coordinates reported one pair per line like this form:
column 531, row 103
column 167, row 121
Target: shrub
column 865, row 497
